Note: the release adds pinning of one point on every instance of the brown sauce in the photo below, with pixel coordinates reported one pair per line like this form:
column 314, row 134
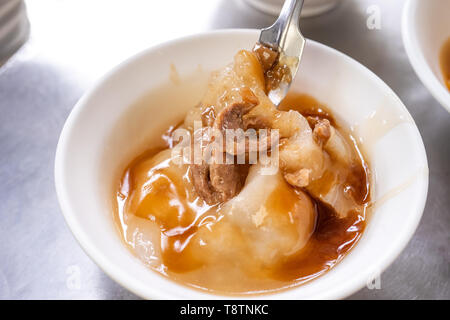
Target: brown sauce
column 331, row 240
column 445, row 62
column 177, row 213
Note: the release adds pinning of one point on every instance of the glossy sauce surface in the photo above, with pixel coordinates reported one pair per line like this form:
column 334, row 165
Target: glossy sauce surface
column 445, row 62
column 177, row 234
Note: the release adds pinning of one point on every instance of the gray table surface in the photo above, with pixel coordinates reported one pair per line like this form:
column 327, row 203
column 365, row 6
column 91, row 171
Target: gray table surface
column 72, row 43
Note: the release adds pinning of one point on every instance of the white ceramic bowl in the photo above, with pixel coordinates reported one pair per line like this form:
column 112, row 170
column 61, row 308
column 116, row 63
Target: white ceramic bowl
column 107, row 128
column 425, row 28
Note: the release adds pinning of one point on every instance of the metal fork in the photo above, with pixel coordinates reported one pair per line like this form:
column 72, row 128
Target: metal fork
column 285, row 37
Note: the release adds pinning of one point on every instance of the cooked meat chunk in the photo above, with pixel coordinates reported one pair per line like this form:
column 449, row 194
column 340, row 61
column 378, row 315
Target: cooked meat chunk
column 217, row 183
column 202, row 183
column 274, row 72
column 266, row 56
column 227, row 179
column 278, row 74
column 299, row 178
column 256, row 122
column 322, row 131
column 231, row 117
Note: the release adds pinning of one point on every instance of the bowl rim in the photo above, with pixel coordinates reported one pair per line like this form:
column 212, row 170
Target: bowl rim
column 129, row 282
column 417, row 59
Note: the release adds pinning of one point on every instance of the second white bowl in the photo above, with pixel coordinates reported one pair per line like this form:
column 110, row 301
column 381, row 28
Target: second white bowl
column 425, row 28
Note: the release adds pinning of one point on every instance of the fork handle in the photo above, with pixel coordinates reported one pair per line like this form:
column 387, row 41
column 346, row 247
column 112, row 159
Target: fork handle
column 287, row 22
